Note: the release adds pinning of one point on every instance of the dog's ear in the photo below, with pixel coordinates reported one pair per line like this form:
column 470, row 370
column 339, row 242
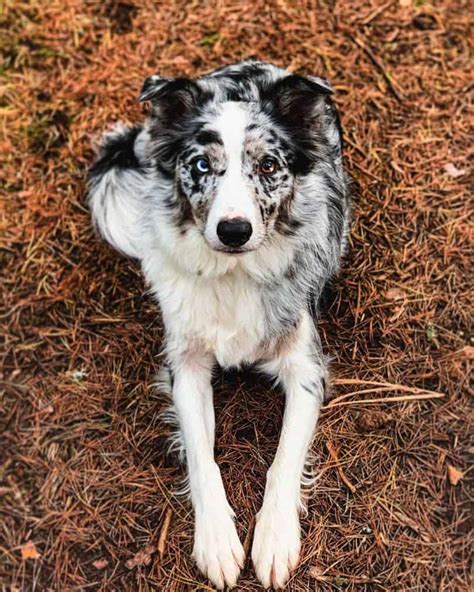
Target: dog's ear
column 170, row 98
column 152, row 86
column 298, row 97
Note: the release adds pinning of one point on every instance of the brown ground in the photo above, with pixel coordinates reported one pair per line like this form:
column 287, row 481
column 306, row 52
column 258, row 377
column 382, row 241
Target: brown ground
column 83, row 474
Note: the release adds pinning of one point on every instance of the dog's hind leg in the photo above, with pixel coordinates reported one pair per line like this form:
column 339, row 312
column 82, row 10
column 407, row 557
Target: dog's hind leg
column 302, row 372
column 217, row 548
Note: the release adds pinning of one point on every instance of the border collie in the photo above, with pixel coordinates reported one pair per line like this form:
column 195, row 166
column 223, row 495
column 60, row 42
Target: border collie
column 233, row 197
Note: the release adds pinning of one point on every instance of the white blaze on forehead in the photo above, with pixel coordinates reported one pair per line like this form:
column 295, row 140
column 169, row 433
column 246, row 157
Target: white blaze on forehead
column 234, row 197
column 231, row 124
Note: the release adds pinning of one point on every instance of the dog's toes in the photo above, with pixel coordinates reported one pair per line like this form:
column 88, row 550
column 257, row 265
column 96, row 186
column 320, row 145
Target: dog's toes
column 238, row 552
column 276, row 546
column 224, row 572
column 218, row 551
column 220, row 566
column 281, row 572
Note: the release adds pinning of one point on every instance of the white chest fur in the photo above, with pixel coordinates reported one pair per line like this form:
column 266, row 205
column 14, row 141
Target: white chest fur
column 222, row 314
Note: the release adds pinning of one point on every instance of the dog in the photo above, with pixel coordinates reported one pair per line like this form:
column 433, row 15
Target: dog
column 233, row 196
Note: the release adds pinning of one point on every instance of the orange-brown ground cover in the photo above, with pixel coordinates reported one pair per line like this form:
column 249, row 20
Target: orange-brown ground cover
column 86, row 491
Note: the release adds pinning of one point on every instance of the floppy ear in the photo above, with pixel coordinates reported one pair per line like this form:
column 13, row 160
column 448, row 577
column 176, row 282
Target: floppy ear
column 170, row 98
column 296, row 97
column 323, row 85
column 151, row 86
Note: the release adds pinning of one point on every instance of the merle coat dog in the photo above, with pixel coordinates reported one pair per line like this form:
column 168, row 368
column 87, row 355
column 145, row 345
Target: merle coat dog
column 233, row 197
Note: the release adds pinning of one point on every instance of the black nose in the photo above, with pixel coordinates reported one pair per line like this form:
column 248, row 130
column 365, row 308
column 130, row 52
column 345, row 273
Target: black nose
column 235, row 232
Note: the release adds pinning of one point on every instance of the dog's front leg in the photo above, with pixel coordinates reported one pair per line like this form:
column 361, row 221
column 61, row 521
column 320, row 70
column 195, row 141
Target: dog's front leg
column 217, row 548
column 301, row 369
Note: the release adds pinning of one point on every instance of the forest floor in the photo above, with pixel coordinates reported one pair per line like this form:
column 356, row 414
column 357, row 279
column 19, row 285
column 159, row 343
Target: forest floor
column 86, row 490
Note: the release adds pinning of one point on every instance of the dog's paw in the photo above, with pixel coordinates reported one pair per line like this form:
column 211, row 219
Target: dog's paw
column 276, row 544
column 217, row 548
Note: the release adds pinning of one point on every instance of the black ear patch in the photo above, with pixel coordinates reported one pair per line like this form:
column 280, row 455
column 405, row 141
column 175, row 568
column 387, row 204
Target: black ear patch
column 295, row 97
column 171, row 98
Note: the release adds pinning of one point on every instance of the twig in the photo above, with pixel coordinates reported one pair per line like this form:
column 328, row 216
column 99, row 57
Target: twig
column 314, row 573
column 378, row 387
column 248, row 537
column 378, row 383
column 14, row 386
column 164, row 531
column 340, row 578
column 378, row 64
column 336, row 403
column 378, row 11
column 335, row 457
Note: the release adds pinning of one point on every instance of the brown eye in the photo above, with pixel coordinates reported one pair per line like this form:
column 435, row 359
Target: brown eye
column 268, row 166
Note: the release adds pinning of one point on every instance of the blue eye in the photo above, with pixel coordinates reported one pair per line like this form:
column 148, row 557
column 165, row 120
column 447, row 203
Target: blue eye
column 202, row 165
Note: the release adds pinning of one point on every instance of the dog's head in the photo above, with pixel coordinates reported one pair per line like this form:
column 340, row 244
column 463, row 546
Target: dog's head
column 237, row 144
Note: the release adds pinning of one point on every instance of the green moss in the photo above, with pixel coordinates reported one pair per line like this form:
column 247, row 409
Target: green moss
column 210, row 40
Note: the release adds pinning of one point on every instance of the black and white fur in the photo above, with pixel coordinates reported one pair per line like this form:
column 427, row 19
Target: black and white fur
column 249, row 142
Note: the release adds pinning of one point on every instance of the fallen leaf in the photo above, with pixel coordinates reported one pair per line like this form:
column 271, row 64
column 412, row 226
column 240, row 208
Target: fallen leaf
column 369, row 420
column 143, row 557
column 468, row 351
column 316, row 571
column 431, row 333
column 453, row 171
column 395, row 294
column 100, row 563
column 397, row 314
column 77, row 375
column 454, row 475
column 407, row 521
column 29, row 551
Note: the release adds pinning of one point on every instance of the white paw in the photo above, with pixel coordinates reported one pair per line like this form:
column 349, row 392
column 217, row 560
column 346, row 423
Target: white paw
column 217, row 548
column 276, row 544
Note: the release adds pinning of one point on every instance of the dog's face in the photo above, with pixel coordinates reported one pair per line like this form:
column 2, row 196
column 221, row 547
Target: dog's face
column 236, row 175
column 236, row 144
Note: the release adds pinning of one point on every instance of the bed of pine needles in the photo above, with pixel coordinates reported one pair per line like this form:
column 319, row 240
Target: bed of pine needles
column 87, row 493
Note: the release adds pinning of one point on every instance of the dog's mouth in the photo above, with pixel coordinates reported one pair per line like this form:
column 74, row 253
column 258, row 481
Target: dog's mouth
column 232, row 250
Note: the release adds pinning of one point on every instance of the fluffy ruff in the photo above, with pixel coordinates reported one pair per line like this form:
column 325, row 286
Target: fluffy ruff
column 233, row 197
